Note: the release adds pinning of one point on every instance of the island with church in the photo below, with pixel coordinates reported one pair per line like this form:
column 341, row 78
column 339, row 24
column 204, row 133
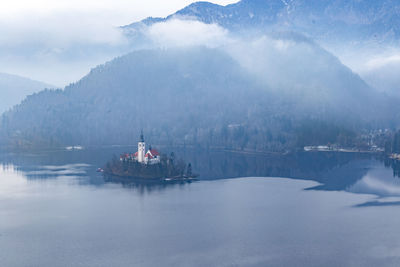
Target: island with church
column 149, row 165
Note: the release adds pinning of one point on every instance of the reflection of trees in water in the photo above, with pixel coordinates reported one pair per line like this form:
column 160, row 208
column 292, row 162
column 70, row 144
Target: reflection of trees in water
column 218, row 164
column 394, row 164
column 145, row 187
column 336, row 171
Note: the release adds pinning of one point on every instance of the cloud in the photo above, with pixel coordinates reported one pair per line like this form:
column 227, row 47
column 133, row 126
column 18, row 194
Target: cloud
column 62, row 22
column 58, row 48
column 382, row 61
column 378, row 65
column 62, row 47
column 59, row 41
column 178, row 33
column 58, row 30
column 119, row 11
column 381, row 71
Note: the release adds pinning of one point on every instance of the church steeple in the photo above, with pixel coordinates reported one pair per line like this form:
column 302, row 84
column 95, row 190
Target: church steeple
column 141, row 136
column 141, row 148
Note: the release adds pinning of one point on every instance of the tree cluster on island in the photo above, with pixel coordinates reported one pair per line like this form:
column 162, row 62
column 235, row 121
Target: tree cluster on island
column 168, row 167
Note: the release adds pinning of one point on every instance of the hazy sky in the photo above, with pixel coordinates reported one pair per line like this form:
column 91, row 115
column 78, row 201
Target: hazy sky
column 117, row 12
column 58, row 41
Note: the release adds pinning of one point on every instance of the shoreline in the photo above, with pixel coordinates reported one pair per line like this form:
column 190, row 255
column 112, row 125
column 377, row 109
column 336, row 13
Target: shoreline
column 213, row 149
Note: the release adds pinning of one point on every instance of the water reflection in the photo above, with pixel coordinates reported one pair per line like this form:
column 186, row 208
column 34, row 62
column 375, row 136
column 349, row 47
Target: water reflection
column 145, row 187
column 394, row 164
column 12, row 181
column 378, row 204
column 44, row 172
column 57, row 204
column 357, row 173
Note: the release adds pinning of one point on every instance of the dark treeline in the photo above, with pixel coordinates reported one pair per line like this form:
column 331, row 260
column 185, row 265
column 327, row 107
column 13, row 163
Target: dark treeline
column 168, row 167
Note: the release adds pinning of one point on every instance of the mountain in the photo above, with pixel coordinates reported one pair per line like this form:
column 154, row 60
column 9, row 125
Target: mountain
column 274, row 89
column 359, row 32
column 367, row 21
column 251, row 98
column 14, row 89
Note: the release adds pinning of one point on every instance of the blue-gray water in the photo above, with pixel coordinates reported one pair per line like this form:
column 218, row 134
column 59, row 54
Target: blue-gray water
column 330, row 210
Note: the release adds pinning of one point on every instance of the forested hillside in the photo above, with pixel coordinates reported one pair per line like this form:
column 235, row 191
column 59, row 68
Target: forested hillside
column 201, row 97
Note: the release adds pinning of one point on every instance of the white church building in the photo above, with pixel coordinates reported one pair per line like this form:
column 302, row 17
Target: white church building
column 150, row 157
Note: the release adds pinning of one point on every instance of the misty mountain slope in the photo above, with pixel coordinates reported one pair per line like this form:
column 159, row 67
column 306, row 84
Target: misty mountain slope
column 300, row 69
column 196, row 96
column 149, row 89
column 385, row 78
column 360, row 32
column 315, row 81
column 13, row 89
column 323, row 20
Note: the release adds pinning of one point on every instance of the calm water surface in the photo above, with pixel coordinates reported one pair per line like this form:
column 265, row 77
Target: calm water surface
column 315, row 209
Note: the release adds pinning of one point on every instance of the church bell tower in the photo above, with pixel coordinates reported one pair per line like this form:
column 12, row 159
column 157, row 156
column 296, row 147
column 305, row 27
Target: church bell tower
column 141, row 148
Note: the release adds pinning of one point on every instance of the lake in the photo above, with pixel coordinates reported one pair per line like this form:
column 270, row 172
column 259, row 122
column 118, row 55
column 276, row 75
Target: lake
column 305, row 209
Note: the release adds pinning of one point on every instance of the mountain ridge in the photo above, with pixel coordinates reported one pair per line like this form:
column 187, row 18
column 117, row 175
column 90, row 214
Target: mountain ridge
column 365, row 20
column 16, row 88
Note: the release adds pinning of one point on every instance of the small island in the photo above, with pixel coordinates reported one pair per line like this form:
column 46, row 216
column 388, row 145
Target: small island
column 150, row 165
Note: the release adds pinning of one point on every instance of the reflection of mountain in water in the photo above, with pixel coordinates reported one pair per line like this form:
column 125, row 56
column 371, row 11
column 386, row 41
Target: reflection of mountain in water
column 335, row 171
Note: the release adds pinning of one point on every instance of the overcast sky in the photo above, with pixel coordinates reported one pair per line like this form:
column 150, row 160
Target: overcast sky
column 58, row 41
column 117, row 12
